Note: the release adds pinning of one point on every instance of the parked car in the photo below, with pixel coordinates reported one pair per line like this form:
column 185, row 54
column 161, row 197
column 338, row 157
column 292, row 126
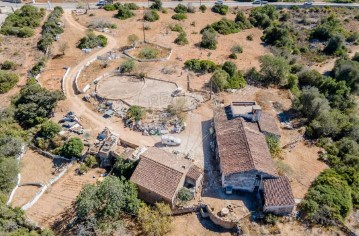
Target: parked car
column 219, row 2
column 170, row 140
column 259, row 2
column 101, row 3
column 308, row 3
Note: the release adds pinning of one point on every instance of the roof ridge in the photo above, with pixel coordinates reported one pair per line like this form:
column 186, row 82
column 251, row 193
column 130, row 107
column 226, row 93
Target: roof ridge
column 248, row 149
column 159, row 163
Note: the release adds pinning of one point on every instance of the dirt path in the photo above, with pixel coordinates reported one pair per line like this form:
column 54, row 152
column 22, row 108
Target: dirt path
column 75, row 103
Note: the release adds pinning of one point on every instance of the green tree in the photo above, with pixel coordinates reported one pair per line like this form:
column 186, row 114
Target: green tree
column 127, row 66
column 151, row 16
column 155, row 221
column 157, row 5
column 124, row 167
column 219, row 80
column 8, row 174
column 275, row 70
column 72, row 148
column 184, row 194
column 124, row 12
column 348, row 71
column 91, row 161
column 136, row 112
column 209, row 39
column 335, row 46
column 49, row 129
column 229, row 67
column 181, row 39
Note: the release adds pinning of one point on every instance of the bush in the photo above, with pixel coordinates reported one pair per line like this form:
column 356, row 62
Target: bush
column 275, row 70
column 109, row 7
column 203, row 8
column 219, row 80
column 36, row 69
column 263, row 17
column 274, row 146
column 155, row 221
column 127, row 66
column 236, row 49
column 132, row 39
column 131, row 6
column 233, row 56
column 8, row 65
column 200, row 66
column 242, row 21
column 149, row 53
column 91, row 161
column 92, row 41
column 335, row 46
column 348, row 71
column 22, row 22
column 7, row 81
column 136, row 113
column 278, row 36
column 224, row 26
column 49, row 129
column 157, row 5
column 151, row 16
column 181, row 39
column 209, row 39
column 220, row 9
column 327, row 28
column 229, row 67
column 184, row 194
column 180, row 8
column 249, row 37
column 124, row 167
column 124, row 13
column 72, row 148
column 356, row 57
column 101, row 23
column 236, row 81
column 179, row 16
column 176, row 28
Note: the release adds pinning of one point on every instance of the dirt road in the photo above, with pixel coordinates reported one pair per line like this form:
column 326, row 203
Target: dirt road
column 75, row 103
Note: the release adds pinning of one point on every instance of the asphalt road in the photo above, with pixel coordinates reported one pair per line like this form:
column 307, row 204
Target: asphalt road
column 172, row 4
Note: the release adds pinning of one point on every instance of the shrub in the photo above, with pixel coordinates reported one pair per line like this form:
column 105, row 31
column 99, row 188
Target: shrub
column 49, row 129
column 176, row 28
column 327, row 28
column 179, row 16
column 157, row 5
column 7, row 81
column 209, row 39
column 91, row 161
column 184, row 194
column 219, row 80
column 356, row 57
column 25, row 32
column 136, row 113
column 224, row 26
column 203, row 8
column 270, row 219
column 50, row 29
column 151, row 16
column 124, row 13
column 132, row 39
column 180, row 8
column 278, row 36
column 72, row 148
column 8, row 65
column 149, row 53
column 236, row 81
column 101, row 23
column 36, row 69
column 335, row 46
column 92, row 41
column 263, row 17
column 274, row 146
column 127, row 66
column 200, row 66
column 109, row 7
column 124, row 167
column 181, row 39
column 229, row 67
column 131, row 6
column 348, row 71
column 242, row 21
column 233, row 56
column 155, row 221
column 220, row 9
column 237, row 49
column 249, row 37
column 275, row 70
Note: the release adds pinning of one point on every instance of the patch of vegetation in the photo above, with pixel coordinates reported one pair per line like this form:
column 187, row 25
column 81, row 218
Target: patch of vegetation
column 91, row 161
column 184, row 195
column 23, row 21
column 227, row 78
column 136, row 113
column 124, row 167
column 8, row 65
column 127, row 66
column 224, row 26
column 278, row 36
column 124, row 12
column 101, row 24
column 7, row 81
column 220, row 9
column 335, row 46
column 242, row 21
column 157, row 5
column 203, row 8
column 51, row 29
column 201, row 66
column 155, row 220
column 274, row 146
column 176, row 28
column 34, row 104
column 236, row 49
column 209, row 39
column 72, row 148
column 149, row 53
column 179, row 16
column 180, row 8
column 151, row 16
column 37, row 68
column 92, row 41
column 263, row 17
column 181, row 39
column 327, row 28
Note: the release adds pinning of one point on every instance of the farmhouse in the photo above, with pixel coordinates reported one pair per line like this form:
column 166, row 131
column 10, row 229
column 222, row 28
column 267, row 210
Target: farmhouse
column 244, row 158
column 160, row 175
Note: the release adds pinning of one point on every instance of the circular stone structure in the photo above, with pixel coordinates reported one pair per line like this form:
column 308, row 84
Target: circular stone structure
column 149, row 93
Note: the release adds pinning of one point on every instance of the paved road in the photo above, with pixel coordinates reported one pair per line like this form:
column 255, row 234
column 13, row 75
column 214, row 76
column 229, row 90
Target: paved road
column 172, row 4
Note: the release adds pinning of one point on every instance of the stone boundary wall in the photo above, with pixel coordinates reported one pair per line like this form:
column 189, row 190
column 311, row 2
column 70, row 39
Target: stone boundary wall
column 47, row 154
column 126, row 52
column 63, row 79
column 219, row 221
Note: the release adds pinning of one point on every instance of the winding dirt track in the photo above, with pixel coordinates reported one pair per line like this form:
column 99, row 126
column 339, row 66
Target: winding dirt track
column 75, row 102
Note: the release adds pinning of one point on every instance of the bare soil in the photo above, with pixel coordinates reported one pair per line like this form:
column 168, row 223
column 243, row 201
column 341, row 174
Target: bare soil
column 60, row 196
column 23, row 195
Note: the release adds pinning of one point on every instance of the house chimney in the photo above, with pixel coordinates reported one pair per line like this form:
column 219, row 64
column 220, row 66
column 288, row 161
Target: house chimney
column 257, row 111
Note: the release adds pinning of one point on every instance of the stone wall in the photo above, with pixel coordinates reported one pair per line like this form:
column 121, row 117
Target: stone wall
column 279, row 210
column 219, row 221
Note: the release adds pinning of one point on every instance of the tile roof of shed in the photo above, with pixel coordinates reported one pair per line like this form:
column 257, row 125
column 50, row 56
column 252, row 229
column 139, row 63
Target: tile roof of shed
column 277, row 192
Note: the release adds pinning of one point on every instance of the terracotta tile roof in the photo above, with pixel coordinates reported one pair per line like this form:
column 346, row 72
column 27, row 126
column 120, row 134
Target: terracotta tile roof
column 241, row 148
column 160, row 171
column 157, row 177
column 277, row 192
column 194, row 172
column 267, row 123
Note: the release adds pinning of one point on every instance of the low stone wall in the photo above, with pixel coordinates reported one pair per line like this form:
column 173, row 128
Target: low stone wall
column 128, row 144
column 64, row 78
column 47, row 154
column 186, row 210
column 127, row 53
column 219, row 221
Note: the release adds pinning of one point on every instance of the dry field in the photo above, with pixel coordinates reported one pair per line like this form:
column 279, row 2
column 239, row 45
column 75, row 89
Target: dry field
column 60, row 196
